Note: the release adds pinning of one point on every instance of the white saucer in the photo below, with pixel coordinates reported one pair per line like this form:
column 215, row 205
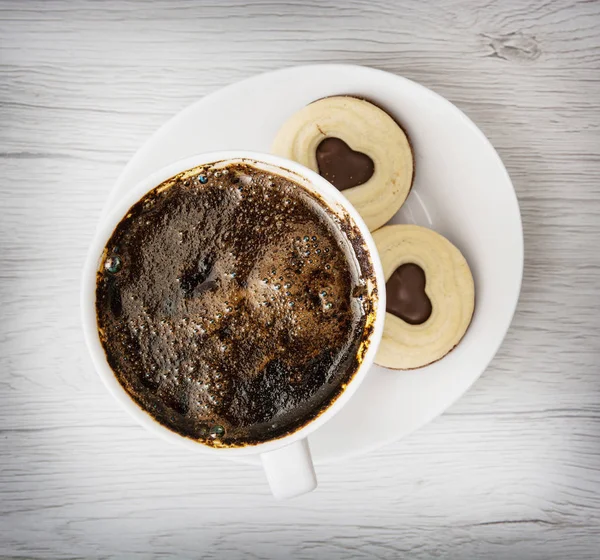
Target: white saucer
column 461, row 190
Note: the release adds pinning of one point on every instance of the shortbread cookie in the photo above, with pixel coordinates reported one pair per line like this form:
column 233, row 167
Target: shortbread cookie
column 357, row 147
column 429, row 292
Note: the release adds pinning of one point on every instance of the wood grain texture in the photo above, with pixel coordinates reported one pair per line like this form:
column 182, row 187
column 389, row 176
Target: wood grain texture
column 512, row 471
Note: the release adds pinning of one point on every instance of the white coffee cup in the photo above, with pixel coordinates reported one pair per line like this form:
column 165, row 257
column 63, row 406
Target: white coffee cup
column 287, row 461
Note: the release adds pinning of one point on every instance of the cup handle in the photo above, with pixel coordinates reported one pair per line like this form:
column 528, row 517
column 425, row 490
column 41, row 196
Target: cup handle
column 290, row 470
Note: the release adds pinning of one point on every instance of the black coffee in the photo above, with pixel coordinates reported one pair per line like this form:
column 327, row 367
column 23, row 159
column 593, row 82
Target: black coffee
column 230, row 304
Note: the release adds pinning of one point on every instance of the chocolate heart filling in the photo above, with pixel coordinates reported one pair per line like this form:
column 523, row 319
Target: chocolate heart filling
column 341, row 165
column 405, row 294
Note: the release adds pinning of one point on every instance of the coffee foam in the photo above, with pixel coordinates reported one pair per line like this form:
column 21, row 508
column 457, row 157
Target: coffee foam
column 236, row 305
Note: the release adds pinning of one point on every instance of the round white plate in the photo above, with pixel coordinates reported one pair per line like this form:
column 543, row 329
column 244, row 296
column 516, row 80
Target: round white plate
column 461, row 189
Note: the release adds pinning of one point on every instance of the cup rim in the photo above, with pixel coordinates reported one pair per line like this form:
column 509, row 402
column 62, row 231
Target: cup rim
column 111, row 219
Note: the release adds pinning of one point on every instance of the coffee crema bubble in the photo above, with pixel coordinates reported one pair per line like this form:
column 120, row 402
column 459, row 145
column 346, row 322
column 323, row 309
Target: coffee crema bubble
column 229, row 304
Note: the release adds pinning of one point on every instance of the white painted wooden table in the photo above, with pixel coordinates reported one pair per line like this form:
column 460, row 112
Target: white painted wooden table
column 512, row 471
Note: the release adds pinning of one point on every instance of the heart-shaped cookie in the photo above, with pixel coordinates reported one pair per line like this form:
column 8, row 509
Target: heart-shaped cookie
column 430, row 296
column 343, row 167
column 356, row 146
